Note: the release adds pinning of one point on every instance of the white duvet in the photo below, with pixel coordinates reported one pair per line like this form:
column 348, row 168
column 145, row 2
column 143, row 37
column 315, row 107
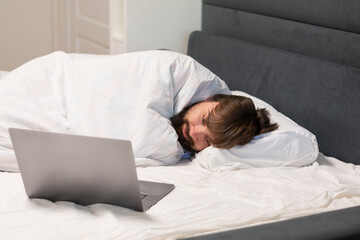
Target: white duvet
column 202, row 202
column 127, row 96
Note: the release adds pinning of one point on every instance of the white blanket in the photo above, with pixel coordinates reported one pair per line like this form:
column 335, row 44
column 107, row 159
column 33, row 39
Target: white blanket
column 202, row 202
column 127, row 96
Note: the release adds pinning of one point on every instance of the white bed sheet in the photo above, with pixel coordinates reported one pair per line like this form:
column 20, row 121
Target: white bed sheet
column 202, row 202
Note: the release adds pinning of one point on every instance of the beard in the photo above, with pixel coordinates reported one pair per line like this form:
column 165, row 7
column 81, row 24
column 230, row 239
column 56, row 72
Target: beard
column 178, row 121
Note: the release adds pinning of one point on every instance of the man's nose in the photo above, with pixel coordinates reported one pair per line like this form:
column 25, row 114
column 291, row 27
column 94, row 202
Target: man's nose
column 197, row 131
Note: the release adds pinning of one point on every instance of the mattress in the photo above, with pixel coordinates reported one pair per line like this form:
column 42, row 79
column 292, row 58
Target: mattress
column 202, row 202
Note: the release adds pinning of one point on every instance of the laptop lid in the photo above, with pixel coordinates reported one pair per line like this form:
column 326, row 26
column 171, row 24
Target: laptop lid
column 85, row 170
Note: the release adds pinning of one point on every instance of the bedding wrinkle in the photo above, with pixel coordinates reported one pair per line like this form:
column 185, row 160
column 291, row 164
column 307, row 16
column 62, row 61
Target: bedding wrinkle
column 174, row 70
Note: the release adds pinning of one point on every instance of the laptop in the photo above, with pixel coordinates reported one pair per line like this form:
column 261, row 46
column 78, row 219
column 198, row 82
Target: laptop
column 81, row 169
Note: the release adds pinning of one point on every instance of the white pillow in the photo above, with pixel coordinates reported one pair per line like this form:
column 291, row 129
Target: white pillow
column 3, row 74
column 289, row 145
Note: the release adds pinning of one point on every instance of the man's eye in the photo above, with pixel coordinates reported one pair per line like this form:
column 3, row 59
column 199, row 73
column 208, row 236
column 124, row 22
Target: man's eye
column 203, row 119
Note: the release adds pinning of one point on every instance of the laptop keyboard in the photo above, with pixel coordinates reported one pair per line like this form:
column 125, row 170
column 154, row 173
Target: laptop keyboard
column 143, row 195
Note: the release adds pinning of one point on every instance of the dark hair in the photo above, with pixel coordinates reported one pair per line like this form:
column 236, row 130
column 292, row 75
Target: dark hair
column 235, row 121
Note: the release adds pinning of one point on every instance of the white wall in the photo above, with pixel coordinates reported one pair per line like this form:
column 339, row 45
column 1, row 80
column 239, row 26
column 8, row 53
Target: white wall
column 161, row 23
column 26, row 31
column 32, row 28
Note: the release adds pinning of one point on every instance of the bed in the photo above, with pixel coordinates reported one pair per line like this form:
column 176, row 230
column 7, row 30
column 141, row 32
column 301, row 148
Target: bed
column 316, row 88
column 303, row 57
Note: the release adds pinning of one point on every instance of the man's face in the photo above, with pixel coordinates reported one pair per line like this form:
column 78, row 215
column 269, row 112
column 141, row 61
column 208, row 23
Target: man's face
column 190, row 125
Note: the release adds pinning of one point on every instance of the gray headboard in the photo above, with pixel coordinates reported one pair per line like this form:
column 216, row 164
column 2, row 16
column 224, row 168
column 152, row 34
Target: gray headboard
column 303, row 57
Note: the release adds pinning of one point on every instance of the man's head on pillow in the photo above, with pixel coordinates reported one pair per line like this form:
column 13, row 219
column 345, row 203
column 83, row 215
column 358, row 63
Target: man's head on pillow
column 223, row 121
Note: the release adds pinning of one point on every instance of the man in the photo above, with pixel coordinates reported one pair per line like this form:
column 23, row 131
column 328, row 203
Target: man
column 222, row 121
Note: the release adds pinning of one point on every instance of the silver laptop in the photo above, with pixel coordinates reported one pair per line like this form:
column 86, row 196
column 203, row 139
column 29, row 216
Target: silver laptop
column 81, row 169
